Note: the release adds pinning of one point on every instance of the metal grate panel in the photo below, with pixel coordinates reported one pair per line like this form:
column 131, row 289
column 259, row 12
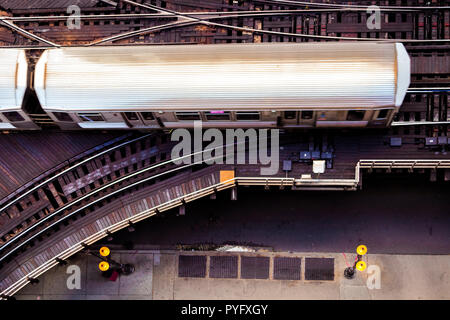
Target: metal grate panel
column 319, row 269
column 223, row 267
column 255, row 267
column 286, row 268
column 192, row 266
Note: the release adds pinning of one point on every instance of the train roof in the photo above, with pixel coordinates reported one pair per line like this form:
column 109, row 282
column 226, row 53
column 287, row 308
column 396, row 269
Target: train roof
column 265, row 76
column 13, row 78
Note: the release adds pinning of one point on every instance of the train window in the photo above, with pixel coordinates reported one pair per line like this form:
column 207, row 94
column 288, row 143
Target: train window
column 62, row 116
column 13, row 116
column 249, row 116
column 131, row 116
column 188, row 115
column 306, row 115
column 383, row 114
column 391, row 17
column 147, row 116
column 90, row 116
column 217, row 115
column 355, row 115
column 290, row 114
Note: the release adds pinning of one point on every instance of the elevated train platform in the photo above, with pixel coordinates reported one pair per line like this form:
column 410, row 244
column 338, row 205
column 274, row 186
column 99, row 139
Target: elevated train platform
column 170, row 274
column 143, row 189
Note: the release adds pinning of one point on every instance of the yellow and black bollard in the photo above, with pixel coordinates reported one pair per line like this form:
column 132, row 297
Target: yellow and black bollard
column 360, row 265
column 103, row 266
column 108, row 263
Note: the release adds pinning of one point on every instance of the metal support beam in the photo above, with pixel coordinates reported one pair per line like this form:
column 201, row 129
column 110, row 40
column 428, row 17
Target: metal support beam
column 131, row 227
column 234, row 193
column 25, row 33
column 182, row 210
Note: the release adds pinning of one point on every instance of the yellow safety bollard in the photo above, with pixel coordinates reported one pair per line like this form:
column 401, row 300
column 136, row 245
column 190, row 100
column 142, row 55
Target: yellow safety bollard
column 361, row 250
column 361, row 266
column 104, row 251
column 103, row 266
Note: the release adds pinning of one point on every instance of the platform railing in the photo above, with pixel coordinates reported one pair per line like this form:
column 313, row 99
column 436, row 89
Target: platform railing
column 405, row 164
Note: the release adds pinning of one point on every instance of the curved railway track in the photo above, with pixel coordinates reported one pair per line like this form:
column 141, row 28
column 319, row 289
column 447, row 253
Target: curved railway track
column 78, row 194
column 152, row 177
column 111, row 216
column 78, row 182
column 136, row 167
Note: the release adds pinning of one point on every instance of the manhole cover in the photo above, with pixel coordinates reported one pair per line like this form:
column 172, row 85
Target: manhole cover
column 255, row 267
column 319, row 269
column 285, row 268
column 223, row 267
column 192, row 266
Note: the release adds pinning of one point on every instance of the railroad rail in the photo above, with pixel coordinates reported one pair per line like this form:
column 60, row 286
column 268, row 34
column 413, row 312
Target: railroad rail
column 114, row 221
column 147, row 202
column 36, row 182
column 266, row 21
column 306, row 23
column 425, row 30
column 70, row 193
column 78, row 182
column 426, row 110
column 84, row 202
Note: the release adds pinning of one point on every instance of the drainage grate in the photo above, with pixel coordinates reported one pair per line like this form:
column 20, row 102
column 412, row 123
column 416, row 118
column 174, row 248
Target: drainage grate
column 192, row 266
column 255, row 267
column 319, row 269
column 223, row 267
column 285, row 268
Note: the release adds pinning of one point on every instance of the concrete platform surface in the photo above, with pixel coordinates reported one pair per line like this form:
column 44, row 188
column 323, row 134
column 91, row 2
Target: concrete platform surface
column 156, row 277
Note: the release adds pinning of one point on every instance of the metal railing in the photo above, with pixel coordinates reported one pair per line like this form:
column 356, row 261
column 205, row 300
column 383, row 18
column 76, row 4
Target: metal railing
column 405, row 164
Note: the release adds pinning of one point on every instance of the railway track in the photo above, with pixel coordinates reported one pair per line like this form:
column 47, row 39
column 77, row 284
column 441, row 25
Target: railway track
column 91, row 183
column 112, row 178
column 162, row 183
column 424, row 29
column 424, row 114
column 79, row 183
column 282, row 22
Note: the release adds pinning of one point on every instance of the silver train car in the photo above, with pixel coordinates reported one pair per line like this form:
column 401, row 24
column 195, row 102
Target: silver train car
column 13, row 86
column 290, row 85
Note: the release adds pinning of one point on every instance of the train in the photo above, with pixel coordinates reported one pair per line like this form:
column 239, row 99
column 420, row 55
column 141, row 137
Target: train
column 267, row 85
